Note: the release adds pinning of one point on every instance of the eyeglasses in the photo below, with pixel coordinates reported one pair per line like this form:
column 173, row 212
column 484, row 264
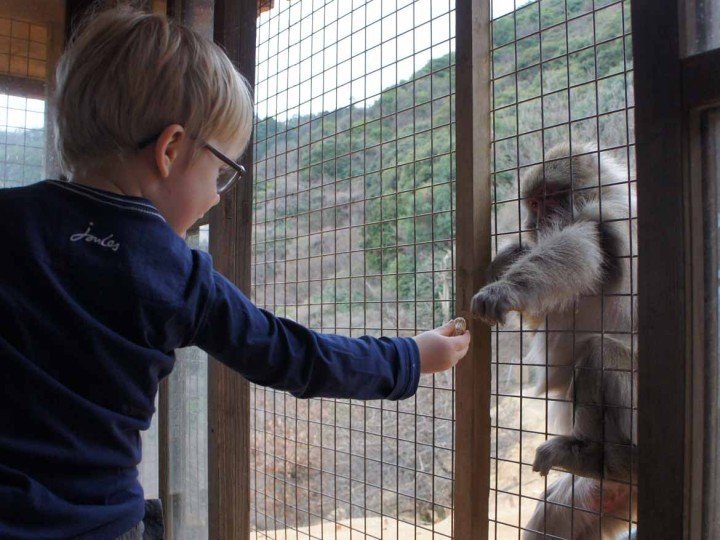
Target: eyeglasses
column 228, row 175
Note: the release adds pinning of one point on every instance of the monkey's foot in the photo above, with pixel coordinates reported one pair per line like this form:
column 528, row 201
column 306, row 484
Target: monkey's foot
column 570, row 454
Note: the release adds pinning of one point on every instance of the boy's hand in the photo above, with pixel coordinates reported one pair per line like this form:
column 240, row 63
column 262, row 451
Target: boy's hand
column 441, row 349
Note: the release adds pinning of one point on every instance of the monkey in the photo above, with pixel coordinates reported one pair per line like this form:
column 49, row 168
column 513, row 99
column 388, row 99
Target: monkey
column 570, row 276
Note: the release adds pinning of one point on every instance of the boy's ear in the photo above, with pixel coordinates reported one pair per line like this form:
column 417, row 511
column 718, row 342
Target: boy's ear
column 167, row 148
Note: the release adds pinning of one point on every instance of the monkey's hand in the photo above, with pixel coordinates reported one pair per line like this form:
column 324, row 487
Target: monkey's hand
column 546, row 457
column 492, row 303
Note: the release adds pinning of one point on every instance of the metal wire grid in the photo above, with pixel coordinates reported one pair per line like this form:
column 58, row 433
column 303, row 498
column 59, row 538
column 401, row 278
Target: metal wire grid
column 23, row 54
column 186, row 509
column 188, row 432
column 353, row 234
column 562, row 73
column 22, row 140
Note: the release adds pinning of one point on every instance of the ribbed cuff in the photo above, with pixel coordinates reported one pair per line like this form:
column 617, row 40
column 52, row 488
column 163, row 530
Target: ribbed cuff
column 409, row 376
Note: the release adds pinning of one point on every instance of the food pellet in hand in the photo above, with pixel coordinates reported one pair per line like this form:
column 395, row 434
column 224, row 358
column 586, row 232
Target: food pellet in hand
column 460, row 326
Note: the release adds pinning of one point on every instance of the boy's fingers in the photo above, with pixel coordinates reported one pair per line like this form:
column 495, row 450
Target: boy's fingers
column 447, row 329
column 453, row 327
column 461, row 342
column 463, row 339
column 460, row 353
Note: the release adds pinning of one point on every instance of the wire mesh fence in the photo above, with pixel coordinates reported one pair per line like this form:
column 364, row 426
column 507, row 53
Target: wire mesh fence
column 187, row 511
column 22, row 140
column 353, row 234
column 23, row 57
column 561, row 84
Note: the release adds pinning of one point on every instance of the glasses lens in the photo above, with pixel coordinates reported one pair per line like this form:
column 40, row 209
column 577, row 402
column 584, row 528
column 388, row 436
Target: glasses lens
column 226, row 179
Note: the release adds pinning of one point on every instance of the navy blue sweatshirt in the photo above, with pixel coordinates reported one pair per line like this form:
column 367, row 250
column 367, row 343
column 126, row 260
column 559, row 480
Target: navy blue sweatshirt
column 96, row 293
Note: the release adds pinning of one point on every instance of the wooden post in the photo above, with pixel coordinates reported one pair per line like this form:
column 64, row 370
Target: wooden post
column 164, row 490
column 662, row 314
column 230, row 245
column 472, row 411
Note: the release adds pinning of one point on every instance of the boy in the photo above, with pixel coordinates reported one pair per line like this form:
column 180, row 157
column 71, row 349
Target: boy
column 100, row 288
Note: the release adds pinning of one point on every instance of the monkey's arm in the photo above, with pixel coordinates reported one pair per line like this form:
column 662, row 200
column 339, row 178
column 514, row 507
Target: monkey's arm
column 503, row 260
column 564, row 264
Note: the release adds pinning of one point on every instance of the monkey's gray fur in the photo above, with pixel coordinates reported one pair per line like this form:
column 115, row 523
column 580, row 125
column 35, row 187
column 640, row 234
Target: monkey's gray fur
column 571, row 275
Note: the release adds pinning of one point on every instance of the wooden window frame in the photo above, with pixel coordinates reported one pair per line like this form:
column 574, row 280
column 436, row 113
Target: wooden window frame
column 701, row 91
column 670, row 94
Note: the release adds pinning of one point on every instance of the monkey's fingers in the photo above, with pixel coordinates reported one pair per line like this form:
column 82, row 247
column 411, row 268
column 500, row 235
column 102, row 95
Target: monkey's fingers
column 478, row 305
column 490, row 305
column 544, row 458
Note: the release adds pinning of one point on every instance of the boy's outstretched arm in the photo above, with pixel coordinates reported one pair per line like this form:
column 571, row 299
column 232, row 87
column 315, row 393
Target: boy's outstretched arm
column 280, row 353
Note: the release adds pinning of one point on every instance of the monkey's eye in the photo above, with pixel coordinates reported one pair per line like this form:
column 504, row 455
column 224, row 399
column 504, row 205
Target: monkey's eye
column 534, row 204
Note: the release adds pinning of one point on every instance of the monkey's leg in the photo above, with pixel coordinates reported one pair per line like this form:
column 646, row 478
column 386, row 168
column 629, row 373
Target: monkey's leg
column 580, row 453
column 620, row 456
column 568, row 511
column 600, row 445
column 576, row 508
column 612, row 362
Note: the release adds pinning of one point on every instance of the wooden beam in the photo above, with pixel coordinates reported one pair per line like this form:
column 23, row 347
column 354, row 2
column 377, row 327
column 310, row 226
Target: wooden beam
column 472, row 410
column 79, row 9
column 164, row 472
column 23, row 86
column 159, row 6
column 196, row 14
column 230, row 245
column 664, row 329
column 701, row 80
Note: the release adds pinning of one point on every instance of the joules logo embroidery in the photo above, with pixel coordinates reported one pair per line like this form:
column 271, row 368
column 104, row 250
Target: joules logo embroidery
column 106, row 242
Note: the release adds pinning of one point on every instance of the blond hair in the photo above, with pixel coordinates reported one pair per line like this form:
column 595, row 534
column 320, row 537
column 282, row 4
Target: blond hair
column 127, row 75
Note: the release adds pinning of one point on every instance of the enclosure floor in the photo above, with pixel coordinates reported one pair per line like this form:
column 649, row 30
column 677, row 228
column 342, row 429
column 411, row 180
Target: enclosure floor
column 371, row 528
column 374, row 527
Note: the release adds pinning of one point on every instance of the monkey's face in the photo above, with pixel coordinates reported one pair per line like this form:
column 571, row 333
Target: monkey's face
column 554, row 190
column 547, row 204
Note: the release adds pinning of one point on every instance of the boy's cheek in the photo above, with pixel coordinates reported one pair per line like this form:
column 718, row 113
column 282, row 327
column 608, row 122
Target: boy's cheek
column 214, row 203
